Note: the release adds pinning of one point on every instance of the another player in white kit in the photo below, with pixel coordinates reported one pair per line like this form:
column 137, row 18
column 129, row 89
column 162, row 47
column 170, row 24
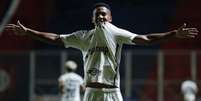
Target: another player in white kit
column 101, row 49
column 70, row 83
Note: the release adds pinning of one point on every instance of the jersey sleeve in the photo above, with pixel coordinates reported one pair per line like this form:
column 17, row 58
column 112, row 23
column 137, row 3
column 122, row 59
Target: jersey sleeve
column 81, row 80
column 125, row 36
column 75, row 39
column 60, row 78
column 60, row 81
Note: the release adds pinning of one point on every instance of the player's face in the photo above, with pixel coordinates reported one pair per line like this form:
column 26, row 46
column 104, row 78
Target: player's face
column 101, row 14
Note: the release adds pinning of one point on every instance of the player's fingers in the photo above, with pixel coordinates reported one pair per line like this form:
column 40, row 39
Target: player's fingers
column 8, row 29
column 187, row 30
column 190, row 36
column 11, row 26
column 192, row 29
column 183, row 26
column 18, row 23
column 8, row 26
column 194, row 34
column 196, row 31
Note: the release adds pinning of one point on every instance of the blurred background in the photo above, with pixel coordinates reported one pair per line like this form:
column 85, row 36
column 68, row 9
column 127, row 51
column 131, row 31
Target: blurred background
column 29, row 69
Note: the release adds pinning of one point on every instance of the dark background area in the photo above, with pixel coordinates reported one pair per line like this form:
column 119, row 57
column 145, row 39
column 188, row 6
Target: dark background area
column 138, row 16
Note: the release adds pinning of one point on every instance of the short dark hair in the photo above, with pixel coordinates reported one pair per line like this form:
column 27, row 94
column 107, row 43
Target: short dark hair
column 70, row 70
column 99, row 4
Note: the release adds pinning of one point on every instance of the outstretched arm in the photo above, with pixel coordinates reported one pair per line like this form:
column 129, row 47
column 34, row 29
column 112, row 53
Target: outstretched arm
column 20, row 29
column 82, row 88
column 61, row 87
column 181, row 32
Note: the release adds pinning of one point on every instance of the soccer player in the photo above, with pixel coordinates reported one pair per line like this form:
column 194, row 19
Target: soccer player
column 101, row 49
column 189, row 89
column 70, row 83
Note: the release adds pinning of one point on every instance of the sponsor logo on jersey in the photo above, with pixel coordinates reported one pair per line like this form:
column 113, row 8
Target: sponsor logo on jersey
column 93, row 71
column 98, row 49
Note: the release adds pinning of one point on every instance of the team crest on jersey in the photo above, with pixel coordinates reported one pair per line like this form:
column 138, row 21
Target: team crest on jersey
column 93, row 71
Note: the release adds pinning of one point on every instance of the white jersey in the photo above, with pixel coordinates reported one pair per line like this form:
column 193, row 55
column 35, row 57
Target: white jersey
column 71, row 89
column 101, row 49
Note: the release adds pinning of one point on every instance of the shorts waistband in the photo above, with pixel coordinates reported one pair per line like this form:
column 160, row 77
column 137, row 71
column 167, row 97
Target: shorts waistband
column 103, row 89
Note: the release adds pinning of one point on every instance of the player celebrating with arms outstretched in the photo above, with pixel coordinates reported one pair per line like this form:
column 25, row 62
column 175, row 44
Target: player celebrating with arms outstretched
column 101, row 49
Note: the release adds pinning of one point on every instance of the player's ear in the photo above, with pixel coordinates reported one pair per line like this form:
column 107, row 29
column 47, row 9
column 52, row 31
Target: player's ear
column 110, row 18
column 93, row 19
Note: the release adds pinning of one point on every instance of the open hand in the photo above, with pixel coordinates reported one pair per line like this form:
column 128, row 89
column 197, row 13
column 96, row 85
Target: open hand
column 18, row 29
column 184, row 32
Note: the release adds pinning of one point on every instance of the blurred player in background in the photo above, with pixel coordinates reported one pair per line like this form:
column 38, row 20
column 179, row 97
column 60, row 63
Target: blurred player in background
column 101, row 48
column 189, row 89
column 70, row 83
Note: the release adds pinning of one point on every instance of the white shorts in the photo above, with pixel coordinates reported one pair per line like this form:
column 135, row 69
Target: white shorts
column 102, row 94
